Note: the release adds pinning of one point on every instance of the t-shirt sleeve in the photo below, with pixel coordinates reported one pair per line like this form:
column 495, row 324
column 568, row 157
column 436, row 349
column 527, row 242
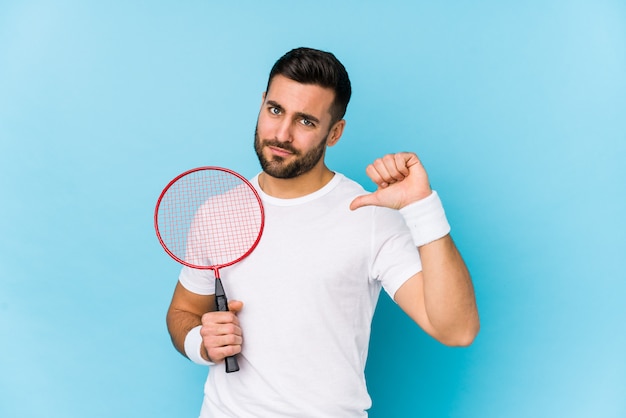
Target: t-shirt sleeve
column 395, row 258
column 201, row 282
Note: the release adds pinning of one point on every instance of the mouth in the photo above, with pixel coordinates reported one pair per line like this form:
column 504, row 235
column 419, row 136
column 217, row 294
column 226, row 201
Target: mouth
column 279, row 152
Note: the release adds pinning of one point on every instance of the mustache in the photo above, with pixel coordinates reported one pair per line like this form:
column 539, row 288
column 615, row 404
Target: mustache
column 282, row 145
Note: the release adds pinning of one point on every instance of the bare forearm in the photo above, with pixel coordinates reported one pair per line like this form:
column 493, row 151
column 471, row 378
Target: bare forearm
column 448, row 293
column 179, row 323
column 185, row 313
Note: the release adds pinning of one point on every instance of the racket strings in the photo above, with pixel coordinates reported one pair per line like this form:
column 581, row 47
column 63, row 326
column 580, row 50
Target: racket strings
column 209, row 218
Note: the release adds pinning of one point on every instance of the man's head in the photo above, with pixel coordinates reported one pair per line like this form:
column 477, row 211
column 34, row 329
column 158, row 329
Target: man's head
column 302, row 112
column 312, row 66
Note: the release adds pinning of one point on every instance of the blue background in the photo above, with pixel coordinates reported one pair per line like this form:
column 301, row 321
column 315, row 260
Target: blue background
column 517, row 109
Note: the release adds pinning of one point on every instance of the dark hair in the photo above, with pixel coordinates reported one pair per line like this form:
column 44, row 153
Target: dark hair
column 312, row 66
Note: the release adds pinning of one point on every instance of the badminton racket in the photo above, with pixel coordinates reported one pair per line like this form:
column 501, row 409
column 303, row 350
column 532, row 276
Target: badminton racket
column 209, row 218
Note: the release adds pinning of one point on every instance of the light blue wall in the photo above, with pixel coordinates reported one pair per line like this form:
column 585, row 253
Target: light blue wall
column 517, row 109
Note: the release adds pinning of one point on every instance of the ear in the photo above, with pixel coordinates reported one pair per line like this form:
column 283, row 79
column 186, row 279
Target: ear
column 263, row 98
column 335, row 132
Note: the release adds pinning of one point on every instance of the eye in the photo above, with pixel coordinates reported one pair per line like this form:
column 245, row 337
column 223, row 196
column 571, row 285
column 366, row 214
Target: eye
column 307, row 122
column 274, row 110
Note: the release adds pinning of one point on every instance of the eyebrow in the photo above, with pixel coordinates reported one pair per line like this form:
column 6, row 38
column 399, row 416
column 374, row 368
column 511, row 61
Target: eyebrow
column 298, row 114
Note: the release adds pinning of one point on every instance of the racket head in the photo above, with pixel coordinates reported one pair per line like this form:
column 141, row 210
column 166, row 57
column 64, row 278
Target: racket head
column 209, row 217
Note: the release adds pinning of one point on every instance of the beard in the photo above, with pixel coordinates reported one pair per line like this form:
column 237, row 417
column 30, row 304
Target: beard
column 278, row 167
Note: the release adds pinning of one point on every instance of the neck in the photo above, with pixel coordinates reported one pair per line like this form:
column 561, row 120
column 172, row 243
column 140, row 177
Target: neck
column 302, row 185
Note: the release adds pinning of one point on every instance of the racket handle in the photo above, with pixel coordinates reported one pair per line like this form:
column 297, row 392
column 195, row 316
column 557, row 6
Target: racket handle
column 231, row 364
column 221, row 304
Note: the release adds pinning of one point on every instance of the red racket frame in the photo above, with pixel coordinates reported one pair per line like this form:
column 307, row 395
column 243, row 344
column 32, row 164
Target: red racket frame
column 216, row 267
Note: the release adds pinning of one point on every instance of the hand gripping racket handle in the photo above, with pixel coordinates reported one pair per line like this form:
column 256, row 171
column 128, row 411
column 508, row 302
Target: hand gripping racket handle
column 221, row 304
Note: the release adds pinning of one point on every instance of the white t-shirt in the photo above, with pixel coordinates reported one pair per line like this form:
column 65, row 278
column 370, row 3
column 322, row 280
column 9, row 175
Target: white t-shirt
column 309, row 291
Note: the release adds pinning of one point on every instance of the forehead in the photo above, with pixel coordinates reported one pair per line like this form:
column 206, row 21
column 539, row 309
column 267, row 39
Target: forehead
column 297, row 97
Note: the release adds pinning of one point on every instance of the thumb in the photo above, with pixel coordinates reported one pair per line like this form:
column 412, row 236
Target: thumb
column 363, row 200
column 235, row 305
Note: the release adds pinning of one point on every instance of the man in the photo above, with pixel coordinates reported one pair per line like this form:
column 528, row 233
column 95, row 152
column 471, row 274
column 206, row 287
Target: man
column 302, row 303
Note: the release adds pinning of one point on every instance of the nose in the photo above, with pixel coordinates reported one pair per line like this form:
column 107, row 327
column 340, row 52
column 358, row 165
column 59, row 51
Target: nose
column 284, row 131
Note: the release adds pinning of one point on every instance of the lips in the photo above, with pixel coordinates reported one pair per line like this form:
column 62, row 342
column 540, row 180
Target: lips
column 280, row 151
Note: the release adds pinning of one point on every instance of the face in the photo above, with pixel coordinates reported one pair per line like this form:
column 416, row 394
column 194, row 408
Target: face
column 294, row 128
column 279, row 166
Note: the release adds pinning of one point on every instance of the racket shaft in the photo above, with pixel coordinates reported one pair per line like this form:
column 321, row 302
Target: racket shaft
column 221, row 304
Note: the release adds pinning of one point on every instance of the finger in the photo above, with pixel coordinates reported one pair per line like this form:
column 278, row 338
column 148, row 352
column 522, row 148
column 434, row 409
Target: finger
column 219, row 349
column 395, row 167
column 235, row 305
column 219, row 330
column 384, row 171
column 218, row 317
column 389, row 169
column 402, row 162
column 374, row 175
column 364, row 200
column 217, row 354
column 413, row 160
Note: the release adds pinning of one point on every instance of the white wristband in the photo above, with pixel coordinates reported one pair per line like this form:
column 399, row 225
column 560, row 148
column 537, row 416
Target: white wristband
column 193, row 345
column 426, row 219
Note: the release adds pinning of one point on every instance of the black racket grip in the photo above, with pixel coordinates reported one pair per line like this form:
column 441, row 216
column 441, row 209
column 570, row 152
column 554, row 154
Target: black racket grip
column 221, row 304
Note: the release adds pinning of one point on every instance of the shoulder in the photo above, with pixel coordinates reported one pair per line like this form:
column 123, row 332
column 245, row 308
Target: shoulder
column 348, row 189
column 347, row 186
